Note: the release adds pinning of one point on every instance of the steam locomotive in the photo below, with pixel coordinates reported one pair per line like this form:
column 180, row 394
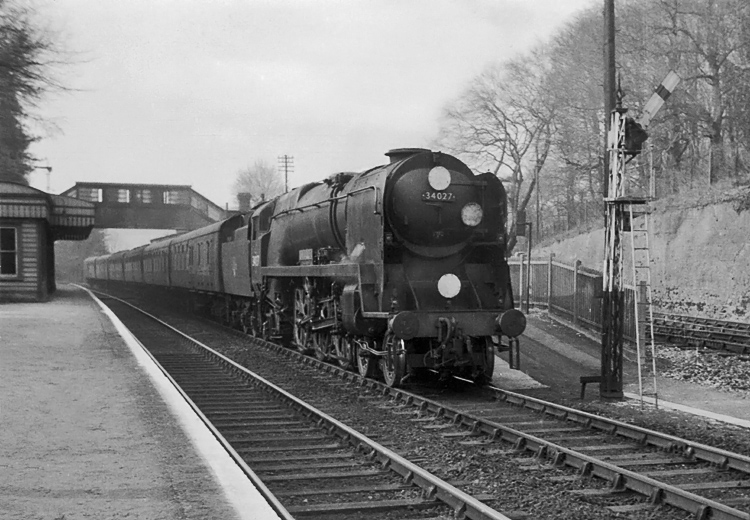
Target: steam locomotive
column 397, row 270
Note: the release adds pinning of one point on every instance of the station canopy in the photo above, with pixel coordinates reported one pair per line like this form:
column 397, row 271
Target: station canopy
column 69, row 218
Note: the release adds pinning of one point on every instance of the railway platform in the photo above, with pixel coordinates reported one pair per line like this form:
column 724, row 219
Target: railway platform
column 554, row 356
column 89, row 430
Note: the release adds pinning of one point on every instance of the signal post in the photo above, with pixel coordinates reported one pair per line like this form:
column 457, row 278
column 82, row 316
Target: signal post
column 624, row 141
column 611, row 383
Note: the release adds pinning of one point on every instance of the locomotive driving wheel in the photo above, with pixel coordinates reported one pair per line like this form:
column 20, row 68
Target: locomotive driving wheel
column 344, row 350
column 321, row 341
column 393, row 365
column 302, row 319
column 366, row 363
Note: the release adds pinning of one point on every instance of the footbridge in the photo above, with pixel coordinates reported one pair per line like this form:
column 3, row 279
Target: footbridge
column 147, row 206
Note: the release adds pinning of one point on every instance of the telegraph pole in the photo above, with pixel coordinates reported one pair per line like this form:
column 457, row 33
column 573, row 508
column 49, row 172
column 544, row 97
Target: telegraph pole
column 286, row 164
column 610, row 89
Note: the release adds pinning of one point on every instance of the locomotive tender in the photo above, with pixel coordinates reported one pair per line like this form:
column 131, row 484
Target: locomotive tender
column 397, row 269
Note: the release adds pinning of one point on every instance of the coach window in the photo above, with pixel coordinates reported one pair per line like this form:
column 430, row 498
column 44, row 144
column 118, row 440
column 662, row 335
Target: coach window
column 8, row 251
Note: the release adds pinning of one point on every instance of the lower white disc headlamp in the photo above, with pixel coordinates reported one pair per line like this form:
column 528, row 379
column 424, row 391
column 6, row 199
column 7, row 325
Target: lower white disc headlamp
column 449, row 285
column 472, row 214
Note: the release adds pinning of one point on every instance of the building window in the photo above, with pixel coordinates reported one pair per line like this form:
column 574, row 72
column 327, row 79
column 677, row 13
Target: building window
column 123, row 196
column 174, row 197
column 8, row 252
column 90, row 194
column 143, row 196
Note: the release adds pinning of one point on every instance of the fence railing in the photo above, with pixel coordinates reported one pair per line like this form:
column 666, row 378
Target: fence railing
column 571, row 292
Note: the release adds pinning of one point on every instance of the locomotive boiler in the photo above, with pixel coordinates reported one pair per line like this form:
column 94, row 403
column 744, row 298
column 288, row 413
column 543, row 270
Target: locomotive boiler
column 397, row 270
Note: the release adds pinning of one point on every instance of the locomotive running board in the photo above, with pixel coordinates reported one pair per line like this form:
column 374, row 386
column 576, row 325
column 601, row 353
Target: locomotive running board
column 326, row 270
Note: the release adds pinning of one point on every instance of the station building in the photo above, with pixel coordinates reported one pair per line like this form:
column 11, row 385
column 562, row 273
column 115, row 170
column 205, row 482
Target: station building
column 30, row 223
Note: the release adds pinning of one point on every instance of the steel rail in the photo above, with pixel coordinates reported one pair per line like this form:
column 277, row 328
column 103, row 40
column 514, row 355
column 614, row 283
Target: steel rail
column 251, row 475
column 621, row 478
column 463, row 504
column 638, row 434
column 715, row 334
column 731, row 326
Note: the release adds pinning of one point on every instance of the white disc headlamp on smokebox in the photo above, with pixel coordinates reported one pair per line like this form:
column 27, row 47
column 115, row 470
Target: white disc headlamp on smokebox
column 439, row 178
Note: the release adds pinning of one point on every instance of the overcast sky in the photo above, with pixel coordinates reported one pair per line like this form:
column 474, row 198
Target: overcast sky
column 189, row 92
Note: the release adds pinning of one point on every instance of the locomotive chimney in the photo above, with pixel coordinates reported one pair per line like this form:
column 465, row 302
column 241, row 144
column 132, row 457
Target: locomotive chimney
column 244, row 201
column 399, row 154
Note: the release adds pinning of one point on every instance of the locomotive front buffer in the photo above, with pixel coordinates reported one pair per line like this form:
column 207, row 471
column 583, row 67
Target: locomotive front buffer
column 457, row 332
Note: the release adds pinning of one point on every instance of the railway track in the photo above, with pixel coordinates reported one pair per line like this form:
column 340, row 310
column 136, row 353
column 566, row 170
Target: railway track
column 639, row 468
column 631, row 468
column 305, row 463
column 730, row 337
column 704, row 481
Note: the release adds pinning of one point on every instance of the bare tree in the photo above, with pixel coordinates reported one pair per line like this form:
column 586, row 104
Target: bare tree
column 261, row 180
column 502, row 124
column 27, row 56
column 574, row 79
column 543, row 112
column 713, row 39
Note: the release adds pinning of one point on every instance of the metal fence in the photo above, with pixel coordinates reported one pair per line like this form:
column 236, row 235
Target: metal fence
column 571, row 292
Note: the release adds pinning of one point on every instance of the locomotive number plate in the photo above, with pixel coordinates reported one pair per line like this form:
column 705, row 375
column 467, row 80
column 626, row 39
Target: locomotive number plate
column 438, row 196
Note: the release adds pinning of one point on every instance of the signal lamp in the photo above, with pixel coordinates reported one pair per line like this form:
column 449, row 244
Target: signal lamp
column 635, row 136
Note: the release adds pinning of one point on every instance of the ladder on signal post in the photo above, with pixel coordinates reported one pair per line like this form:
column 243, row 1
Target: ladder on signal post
column 644, row 312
